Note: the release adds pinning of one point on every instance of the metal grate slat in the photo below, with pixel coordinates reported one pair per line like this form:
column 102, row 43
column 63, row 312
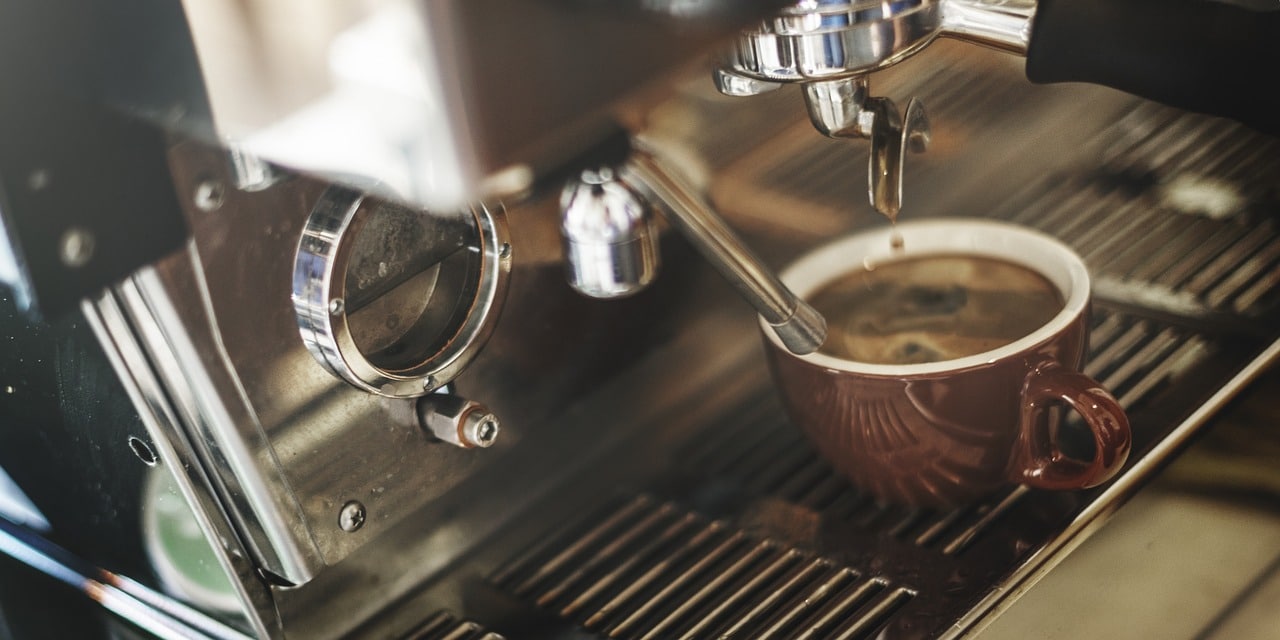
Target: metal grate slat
column 704, row 596
column 444, row 626
column 694, row 578
column 681, row 581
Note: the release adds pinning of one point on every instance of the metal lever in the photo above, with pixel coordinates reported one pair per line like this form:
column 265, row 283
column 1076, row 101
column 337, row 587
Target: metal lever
column 801, row 328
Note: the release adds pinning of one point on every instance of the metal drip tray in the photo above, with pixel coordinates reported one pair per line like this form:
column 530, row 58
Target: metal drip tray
column 727, row 523
column 755, row 536
column 650, row 569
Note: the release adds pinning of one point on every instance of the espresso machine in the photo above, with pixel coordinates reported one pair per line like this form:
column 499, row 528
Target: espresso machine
column 459, row 339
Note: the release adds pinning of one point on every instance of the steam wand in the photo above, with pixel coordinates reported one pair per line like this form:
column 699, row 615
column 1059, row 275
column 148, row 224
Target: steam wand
column 611, row 247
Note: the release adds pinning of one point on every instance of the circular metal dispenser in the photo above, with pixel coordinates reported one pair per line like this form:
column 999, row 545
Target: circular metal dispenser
column 395, row 300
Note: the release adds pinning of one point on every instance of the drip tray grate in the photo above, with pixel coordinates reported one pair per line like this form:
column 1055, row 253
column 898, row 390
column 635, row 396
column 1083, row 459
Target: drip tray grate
column 646, row 568
column 755, row 536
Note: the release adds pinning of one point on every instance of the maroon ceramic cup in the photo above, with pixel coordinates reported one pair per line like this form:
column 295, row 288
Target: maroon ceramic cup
column 944, row 433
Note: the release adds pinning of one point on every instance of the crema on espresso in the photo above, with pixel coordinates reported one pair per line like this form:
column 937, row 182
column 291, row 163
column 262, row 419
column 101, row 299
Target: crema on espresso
column 932, row 308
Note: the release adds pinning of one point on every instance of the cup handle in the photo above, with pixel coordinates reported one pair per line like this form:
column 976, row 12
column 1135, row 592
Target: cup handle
column 1038, row 462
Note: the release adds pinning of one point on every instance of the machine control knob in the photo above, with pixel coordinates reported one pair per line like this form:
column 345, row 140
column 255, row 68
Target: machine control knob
column 610, row 242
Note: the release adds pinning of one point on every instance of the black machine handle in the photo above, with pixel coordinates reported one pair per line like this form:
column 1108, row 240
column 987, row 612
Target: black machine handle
column 1200, row 55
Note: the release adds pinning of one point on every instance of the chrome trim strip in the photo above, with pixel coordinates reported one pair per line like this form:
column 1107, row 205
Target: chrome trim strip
column 107, row 320
column 152, row 612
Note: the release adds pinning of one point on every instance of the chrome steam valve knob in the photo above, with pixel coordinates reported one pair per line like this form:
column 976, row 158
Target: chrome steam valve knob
column 610, row 243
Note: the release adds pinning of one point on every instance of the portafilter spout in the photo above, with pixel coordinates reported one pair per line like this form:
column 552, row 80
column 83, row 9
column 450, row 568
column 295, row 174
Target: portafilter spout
column 844, row 108
column 617, row 197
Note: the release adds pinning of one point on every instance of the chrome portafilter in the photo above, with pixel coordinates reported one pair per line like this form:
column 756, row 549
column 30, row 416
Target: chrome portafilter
column 817, row 40
column 1199, row 55
column 830, row 46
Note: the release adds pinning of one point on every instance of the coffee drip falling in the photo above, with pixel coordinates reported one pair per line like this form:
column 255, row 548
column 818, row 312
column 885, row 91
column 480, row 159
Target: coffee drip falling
column 892, row 136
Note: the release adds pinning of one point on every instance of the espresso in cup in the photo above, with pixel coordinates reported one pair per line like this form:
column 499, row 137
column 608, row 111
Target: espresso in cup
column 933, row 308
column 943, row 362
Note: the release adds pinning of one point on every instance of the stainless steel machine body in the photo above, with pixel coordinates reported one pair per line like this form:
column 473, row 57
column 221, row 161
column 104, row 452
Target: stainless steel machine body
column 377, row 403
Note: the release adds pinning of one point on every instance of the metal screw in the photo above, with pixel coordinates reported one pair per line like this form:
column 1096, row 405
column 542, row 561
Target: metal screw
column 76, row 247
column 487, row 432
column 479, row 429
column 429, row 383
column 251, row 172
column 336, row 306
column 209, row 195
column 39, row 179
column 176, row 113
column 352, row 516
column 505, row 251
